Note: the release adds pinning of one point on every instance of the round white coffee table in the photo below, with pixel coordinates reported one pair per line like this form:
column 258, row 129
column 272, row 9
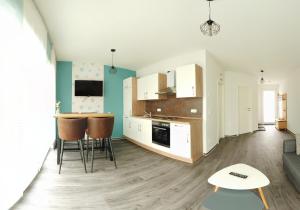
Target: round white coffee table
column 255, row 180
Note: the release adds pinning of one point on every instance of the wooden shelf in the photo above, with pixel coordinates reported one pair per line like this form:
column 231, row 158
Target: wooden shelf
column 281, row 122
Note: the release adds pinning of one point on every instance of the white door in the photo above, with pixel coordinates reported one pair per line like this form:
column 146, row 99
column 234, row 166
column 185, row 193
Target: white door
column 269, row 104
column 180, row 140
column 185, row 81
column 220, row 111
column 245, row 109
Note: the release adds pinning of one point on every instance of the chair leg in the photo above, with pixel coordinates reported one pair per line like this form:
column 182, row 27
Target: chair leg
column 112, row 151
column 82, row 154
column 87, row 149
column 105, row 146
column 92, row 156
column 61, row 155
column 80, row 151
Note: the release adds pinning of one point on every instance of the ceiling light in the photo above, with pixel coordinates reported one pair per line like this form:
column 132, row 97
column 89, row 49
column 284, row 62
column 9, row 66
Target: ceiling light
column 112, row 69
column 210, row 27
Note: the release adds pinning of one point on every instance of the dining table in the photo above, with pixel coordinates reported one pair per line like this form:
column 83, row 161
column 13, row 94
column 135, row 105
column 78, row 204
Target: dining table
column 77, row 115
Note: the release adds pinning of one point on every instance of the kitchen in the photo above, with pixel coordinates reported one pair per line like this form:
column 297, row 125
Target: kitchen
column 163, row 112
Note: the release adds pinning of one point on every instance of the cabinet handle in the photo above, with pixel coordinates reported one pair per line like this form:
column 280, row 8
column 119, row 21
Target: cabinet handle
column 193, row 90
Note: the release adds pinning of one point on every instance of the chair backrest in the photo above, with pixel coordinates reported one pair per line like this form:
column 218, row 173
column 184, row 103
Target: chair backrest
column 71, row 129
column 100, row 127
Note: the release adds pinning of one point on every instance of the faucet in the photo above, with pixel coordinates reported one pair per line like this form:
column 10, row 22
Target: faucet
column 147, row 114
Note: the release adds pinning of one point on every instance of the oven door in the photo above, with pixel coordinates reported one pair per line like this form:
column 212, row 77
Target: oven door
column 161, row 133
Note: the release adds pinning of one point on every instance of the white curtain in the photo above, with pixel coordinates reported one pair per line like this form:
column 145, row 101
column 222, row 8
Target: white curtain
column 27, row 98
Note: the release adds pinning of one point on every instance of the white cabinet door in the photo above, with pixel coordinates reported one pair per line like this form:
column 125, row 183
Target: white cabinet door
column 141, row 88
column 127, row 97
column 186, row 81
column 140, row 130
column 148, row 87
column 152, row 87
column 126, row 126
column 180, row 140
column 145, row 134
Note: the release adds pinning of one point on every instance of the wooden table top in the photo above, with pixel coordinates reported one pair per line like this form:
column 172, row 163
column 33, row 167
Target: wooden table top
column 83, row 115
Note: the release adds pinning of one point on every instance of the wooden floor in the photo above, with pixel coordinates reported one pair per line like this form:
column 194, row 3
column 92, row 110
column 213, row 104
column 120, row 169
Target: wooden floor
column 145, row 180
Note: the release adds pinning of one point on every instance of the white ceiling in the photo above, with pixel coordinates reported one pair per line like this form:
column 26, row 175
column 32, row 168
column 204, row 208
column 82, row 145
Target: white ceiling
column 254, row 34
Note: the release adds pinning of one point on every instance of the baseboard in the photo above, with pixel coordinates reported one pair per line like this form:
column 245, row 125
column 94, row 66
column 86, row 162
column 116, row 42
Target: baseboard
column 290, row 132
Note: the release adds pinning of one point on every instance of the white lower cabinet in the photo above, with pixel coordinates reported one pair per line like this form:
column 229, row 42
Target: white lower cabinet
column 138, row 129
column 180, row 140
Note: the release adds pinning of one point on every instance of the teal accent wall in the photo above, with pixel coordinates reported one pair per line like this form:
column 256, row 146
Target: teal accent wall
column 113, row 96
column 64, row 85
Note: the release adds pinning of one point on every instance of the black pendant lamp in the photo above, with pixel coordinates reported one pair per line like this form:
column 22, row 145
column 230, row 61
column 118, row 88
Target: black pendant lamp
column 112, row 69
column 210, row 27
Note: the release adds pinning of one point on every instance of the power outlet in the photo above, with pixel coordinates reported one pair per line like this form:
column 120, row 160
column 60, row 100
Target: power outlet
column 158, row 109
column 194, row 111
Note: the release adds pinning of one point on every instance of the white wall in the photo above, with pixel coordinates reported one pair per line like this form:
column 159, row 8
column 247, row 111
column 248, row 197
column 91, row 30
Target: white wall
column 86, row 71
column 232, row 81
column 27, row 92
column 211, row 74
column 214, row 75
column 260, row 89
column 291, row 86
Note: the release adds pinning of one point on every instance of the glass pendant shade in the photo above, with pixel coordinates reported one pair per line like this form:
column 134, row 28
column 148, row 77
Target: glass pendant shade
column 210, row 28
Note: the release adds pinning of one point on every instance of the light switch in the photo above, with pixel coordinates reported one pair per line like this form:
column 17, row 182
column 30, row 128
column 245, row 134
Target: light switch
column 194, row 111
column 158, row 109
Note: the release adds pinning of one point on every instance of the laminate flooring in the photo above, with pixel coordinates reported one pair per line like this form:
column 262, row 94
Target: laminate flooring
column 145, row 180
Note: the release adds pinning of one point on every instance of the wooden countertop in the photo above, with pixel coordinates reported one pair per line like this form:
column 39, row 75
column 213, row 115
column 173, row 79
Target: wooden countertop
column 83, row 115
column 175, row 120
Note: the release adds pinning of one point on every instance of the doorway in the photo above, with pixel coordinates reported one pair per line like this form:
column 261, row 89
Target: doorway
column 269, row 104
column 245, row 110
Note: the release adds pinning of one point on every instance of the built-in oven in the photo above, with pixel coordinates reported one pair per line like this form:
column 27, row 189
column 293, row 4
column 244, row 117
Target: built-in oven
column 161, row 133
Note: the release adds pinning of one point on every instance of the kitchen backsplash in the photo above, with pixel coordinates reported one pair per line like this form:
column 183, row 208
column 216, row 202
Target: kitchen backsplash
column 173, row 106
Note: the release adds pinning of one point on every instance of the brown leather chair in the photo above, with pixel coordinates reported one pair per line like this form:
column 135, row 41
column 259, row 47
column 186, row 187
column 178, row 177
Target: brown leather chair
column 71, row 129
column 101, row 129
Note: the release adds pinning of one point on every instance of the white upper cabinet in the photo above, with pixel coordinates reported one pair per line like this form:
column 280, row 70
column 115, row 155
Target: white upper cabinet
column 149, row 86
column 189, row 81
column 130, row 104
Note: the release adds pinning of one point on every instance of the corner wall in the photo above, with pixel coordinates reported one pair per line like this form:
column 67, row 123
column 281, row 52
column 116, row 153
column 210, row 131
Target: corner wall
column 211, row 74
column 232, row 81
column 113, row 96
column 112, row 100
column 291, row 86
column 64, row 85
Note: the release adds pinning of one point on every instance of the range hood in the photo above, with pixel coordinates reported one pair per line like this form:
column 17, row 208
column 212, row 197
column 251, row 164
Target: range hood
column 171, row 84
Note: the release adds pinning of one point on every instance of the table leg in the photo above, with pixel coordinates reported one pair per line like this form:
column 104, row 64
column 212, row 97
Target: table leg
column 58, row 146
column 262, row 196
column 216, row 188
